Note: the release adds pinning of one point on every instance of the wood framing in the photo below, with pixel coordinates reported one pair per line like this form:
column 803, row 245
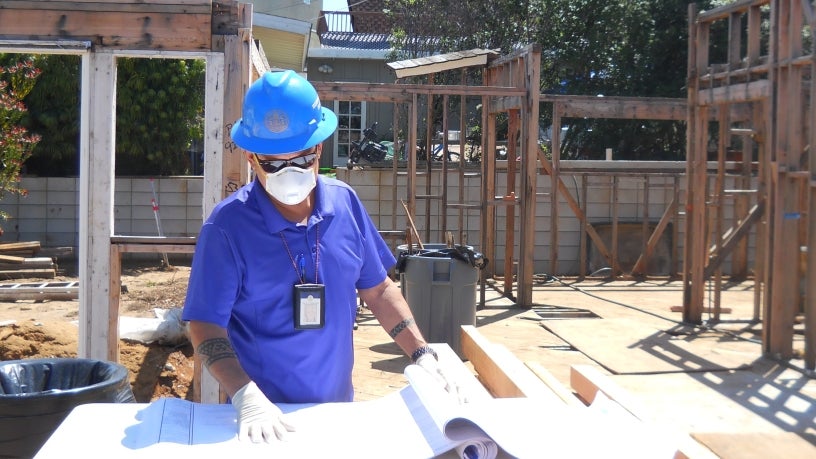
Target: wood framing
column 134, row 244
column 504, row 375
column 762, row 93
column 511, row 88
column 100, row 32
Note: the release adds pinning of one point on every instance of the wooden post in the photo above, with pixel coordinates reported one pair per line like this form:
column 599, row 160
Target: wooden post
column 531, row 74
column 97, row 152
column 237, row 78
column 510, row 196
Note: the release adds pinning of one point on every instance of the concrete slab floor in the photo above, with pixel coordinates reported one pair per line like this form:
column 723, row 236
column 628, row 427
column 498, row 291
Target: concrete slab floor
column 763, row 396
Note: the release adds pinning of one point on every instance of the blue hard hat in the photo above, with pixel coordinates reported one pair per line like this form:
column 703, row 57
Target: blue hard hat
column 282, row 114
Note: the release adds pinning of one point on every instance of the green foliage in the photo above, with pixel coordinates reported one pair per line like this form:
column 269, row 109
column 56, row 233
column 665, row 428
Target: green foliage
column 159, row 115
column 589, row 47
column 54, row 113
column 16, row 81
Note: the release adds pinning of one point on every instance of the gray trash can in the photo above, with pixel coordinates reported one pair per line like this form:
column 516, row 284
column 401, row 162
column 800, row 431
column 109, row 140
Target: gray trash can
column 36, row 395
column 402, row 250
column 440, row 288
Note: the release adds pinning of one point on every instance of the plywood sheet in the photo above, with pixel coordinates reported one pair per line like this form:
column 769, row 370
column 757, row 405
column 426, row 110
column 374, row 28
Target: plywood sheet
column 756, row 445
column 628, row 346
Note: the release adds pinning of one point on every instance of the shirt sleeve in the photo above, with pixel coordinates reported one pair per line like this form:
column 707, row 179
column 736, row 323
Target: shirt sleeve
column 214, row 278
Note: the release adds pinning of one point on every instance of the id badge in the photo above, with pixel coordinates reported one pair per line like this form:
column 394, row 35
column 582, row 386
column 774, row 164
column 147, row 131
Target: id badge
column 309, row 307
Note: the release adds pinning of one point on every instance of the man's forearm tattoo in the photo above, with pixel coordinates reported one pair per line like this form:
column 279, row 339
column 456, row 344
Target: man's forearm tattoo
column 400, row 327
column 213, row 350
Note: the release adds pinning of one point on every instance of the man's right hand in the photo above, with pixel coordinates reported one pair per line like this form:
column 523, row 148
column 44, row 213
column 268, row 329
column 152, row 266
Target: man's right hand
column 258, row 418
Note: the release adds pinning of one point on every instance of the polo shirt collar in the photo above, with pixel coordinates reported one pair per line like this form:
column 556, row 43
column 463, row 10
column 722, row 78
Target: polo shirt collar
column 275, row 222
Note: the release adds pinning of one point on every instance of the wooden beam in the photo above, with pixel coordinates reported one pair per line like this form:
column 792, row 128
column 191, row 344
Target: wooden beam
column 654, row 238
column 731, row 240
column 504, row 104
column 11, row 259
column 737, row 92
column 513, row 132
column 724, row 11
column 33, row 246
column 235, row 173
column 339, row 90
column 620, row 107
column 133, row 30
column 529, row 79
column 563, row 392
column 587, row 381
column 576, row 209
column 502, row 374
column 96, row 176
column 114, row 6
column 696, row 136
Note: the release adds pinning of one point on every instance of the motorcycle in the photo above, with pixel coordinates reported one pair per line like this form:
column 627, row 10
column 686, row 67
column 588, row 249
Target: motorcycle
column 368, row 148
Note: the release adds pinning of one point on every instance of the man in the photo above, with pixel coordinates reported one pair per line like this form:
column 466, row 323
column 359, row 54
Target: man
column 278, row 266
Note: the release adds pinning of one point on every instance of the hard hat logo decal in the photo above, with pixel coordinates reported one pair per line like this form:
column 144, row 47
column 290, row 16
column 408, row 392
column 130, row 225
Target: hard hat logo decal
column 276, row 121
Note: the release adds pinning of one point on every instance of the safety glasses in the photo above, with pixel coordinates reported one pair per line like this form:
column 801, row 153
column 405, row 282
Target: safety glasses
column 270, row 166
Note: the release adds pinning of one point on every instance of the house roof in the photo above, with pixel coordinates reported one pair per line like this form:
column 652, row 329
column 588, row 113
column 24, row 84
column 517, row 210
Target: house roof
column 351, row 40
column 442, row 62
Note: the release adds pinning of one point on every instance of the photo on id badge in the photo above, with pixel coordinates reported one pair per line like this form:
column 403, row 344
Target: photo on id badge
column 309, row 306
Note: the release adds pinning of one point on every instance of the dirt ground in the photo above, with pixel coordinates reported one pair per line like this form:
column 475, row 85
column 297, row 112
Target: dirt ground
column 48, row 328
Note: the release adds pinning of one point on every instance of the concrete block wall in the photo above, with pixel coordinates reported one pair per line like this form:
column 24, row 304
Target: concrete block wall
column 375, row 187
column 49, row 213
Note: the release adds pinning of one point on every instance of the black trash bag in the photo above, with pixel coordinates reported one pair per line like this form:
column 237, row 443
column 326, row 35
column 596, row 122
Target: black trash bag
column 402, row 260
column 36, row 395
column 457, row 252
column 466, row 254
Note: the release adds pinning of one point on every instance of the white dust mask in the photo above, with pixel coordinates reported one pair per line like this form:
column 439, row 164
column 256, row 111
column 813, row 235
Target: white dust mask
column 291, row 185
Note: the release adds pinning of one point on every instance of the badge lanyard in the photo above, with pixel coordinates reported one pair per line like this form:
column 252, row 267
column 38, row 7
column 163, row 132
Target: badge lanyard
column 309, row 299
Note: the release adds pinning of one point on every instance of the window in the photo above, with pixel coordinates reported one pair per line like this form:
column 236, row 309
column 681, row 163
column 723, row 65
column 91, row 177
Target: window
column 350, row 125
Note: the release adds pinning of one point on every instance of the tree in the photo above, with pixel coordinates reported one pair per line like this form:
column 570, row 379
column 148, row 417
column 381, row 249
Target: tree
column 159, row 116
column 53, row 112
column 589, row 47
column 16, row 80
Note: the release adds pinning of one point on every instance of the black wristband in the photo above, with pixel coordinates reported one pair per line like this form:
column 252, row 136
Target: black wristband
column 422, row 351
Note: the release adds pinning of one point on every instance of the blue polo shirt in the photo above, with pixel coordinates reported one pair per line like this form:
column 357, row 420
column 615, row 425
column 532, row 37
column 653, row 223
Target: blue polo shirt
column 243, row 277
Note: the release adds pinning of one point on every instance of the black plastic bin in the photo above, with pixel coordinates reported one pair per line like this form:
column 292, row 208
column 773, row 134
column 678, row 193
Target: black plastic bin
column 439, row 285
column 36, row 395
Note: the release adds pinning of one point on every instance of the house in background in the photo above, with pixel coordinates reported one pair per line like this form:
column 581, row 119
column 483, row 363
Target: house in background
column 353, row 47
column 349, row 46
column 285, row 31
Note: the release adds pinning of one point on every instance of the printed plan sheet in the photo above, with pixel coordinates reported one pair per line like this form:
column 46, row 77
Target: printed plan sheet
column 419, row 421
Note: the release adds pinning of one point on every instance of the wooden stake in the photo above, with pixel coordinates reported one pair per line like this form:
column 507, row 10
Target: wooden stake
column 413, row 227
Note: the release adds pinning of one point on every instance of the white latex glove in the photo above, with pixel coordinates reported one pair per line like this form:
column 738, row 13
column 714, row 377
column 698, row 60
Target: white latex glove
column 258, row 418
column 429, row 363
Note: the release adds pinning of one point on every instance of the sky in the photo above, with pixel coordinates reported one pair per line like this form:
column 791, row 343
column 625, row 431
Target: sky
column 335, row 5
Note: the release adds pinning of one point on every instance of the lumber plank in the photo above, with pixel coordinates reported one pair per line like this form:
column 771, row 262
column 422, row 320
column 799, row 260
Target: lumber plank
column 564, row 393
column 10, row 259
column 9, row 263
column 587, row 381
column 125, row 30
column 165, row 6
column 26, row 273
column 755, row 445
column 18, row 246
column 500, row 371
column 477, row 349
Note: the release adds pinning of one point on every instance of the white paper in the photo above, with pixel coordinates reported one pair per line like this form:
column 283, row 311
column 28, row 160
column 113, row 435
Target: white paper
column 419, row 421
